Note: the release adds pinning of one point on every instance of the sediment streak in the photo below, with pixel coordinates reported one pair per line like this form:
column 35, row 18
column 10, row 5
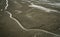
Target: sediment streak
column 42, row 8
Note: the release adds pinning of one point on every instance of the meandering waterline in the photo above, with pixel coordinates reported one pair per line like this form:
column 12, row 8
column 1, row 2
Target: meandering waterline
column 29, row 29
column 6, row 5
column 22, row 27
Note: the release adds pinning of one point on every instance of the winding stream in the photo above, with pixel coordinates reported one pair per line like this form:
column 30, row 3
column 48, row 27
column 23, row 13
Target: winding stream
column 25, row 29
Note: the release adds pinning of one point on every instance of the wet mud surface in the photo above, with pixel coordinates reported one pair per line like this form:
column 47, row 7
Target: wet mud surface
column 30, row 18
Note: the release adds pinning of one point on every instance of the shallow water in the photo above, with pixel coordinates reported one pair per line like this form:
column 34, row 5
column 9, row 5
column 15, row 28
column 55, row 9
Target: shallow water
column 31, row 15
